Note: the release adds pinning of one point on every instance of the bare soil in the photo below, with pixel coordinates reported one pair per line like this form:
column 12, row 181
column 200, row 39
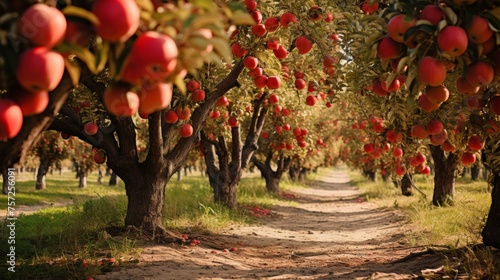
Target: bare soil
column 332, row 233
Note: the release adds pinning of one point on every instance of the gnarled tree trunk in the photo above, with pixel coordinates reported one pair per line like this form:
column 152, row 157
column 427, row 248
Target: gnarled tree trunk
column 444, row 176
column 491, row 231
column 225, row 164
column 272, row 177
column 146, row 196
column 5, row 182
column 41, row 174
column 113, row 179
column 407, row 184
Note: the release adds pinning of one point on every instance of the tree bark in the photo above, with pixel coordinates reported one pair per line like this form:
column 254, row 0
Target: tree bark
column 40, row 176
column 82, row 179
column 294, row 172
column 272, row 177
column 491, row 231
column 474, row 172
column 146, row 196
column 407, row 185
column 370, row 174
column 5, row 182
column 113, row 179
column 444, row 178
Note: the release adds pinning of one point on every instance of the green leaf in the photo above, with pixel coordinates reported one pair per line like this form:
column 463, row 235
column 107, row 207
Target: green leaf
column 80, row 12
column 102, row 56
column 74, row 70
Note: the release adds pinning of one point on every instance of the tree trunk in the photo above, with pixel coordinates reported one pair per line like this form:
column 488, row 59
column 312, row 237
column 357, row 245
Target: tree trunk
column 82, row 179
column 99, row 176
column 113, row 179
column 407, row 185
column 40, row 176
column 491, row 231
column 444, row 178
column 272, row 177
column 146, row 196
column 474, row 172
column 5, row 182
column 294, row 173
column 370, row 174
column 179, row 175
column 225, row 192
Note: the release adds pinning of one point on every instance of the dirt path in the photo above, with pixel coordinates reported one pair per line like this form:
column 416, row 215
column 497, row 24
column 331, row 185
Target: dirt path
column 330, row 234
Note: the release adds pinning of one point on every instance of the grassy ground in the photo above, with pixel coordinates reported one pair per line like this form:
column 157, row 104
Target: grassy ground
column 70, row 242
column 454, row 231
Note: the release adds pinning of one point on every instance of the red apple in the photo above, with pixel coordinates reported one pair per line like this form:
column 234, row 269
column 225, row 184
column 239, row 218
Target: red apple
column 281, row 53
column 259, row 30
column 171, row 116
column 437, row 94
column 368, row 148
column 311, row 100
column 468, row 158
column 120, row 101
column 491, row 127
column 118, row 19
column 257, row 16
column 287, row 18
column 256, row 72
column 40, row 69
column 99, row 156
column 90, row 128
column 447, row 146
column 419, row 131
column 400, row 170
column 480, row 73
column 432, row 13
column 303, row 44
column 155, row 97
column 42, row 25
column 479, row 30
column 272, row 24
column 273, row 99
column 495, row 104
column 397, row 26
column 250, row 62
column 232, row 121
column 387, row 48
column 431, row 71
column 31, row 103
column 273, row 43
column 273, row 82
column 192, row 85
column 238, row 50
column 11, row 119
column 397, row 152
column 198, row 95
column 452, row 40
column 186, row 130
column 300, row 84
column 183, row 112
column 369, row 9
column 155, row 55
column 261, row 81
column 464, row 87
column 434, row 127
column 475, row 143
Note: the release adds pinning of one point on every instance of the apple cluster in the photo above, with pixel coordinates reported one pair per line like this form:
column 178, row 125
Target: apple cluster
column 431, row 45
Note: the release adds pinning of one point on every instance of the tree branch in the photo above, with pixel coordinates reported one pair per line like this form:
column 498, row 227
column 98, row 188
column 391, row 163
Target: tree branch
column 180, row 151
column 155, row 153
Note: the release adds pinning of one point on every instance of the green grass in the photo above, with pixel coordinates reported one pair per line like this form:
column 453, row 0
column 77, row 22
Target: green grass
column 60, row 188
column 52, row 243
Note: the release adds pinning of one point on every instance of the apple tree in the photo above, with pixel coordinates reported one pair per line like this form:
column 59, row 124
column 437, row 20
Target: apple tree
column 430, row 72
column 50, row 150
column 131, row 61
